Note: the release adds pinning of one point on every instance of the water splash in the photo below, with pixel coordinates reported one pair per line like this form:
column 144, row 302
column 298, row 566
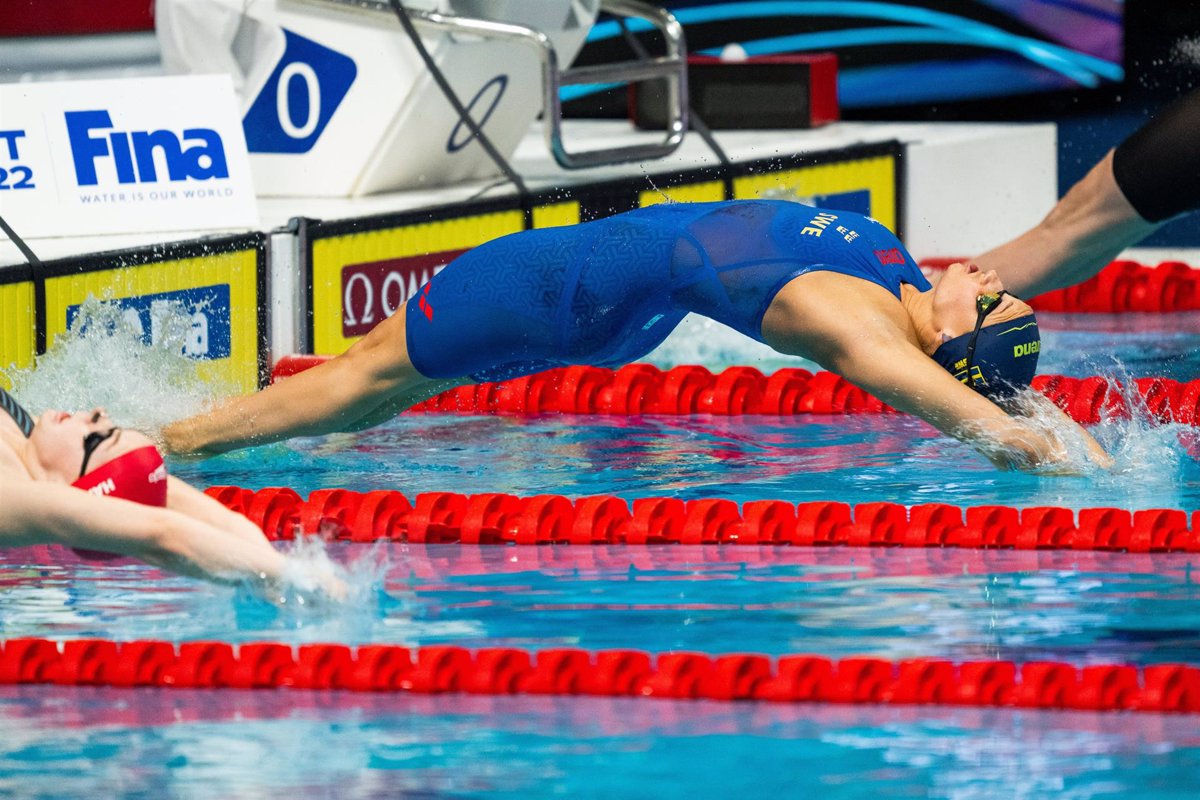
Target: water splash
column 1140, row 444
column 1148, row 454
column 106, row 360
column 301, row 600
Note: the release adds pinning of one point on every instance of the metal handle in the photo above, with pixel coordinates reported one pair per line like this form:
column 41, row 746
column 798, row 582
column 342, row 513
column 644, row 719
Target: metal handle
column 671, row 68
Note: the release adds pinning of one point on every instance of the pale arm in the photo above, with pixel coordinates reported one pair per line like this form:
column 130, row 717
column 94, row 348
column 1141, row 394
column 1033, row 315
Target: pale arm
column 42, row 513
column 898, row 373
column 185, row 499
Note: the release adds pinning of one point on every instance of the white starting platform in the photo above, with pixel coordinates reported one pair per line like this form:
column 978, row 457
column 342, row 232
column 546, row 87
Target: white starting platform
column 317, row 273
column 350, row 181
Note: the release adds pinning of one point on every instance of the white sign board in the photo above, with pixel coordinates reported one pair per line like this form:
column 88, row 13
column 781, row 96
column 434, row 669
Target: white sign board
column 138, row 155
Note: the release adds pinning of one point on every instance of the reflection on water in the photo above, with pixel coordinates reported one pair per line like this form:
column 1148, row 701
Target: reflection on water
column 854, row 459
column 894, row 604
column 63, row 741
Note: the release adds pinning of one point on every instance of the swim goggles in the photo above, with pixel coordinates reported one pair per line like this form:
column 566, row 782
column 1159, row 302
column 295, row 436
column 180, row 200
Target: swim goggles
column 984, row 305
column 92, row 441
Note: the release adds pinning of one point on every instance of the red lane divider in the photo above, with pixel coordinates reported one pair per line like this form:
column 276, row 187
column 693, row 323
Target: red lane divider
column 447, row 517
column 644, row 389
column 1171, row 688
column 65, row 18
column 1120, row 287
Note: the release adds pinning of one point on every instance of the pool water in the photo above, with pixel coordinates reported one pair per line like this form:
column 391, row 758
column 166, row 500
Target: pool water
column 1065, row 606
column 179, row 743
column 837, row 602
column 856, row 459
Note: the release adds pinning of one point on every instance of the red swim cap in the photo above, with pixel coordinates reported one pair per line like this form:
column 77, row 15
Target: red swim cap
column 139, row 475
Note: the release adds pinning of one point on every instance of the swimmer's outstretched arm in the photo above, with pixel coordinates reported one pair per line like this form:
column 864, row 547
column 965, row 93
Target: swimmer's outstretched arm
column 855, row 330
column 342, row 394
column 43, row 513
column 186, row 499
column 904, row 377
column 1147, row 179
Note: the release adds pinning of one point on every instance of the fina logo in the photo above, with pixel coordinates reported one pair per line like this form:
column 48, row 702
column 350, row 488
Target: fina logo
column 199, row 154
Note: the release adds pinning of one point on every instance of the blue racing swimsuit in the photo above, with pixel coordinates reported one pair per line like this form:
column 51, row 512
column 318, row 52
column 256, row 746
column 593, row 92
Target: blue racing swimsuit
column 607, row 292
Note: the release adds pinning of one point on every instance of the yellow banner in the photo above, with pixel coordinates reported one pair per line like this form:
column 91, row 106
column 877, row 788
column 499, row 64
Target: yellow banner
column 17, row 328
column 706, row 192
column 220, row 290
column 865, row 185
column 555, row 215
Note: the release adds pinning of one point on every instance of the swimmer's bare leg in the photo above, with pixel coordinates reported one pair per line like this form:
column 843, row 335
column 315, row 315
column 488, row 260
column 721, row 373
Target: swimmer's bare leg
column 344, row 393
column 392, row 408
column 1086, row 230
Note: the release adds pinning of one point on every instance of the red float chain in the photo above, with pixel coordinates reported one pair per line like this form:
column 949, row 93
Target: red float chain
column 792, row 678
column 70, row 18
column 448, row 517
column 1120, row 287
column 645, row 389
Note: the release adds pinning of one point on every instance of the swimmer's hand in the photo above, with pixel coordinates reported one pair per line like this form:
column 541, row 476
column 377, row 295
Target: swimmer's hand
column 1046, row 441
column 309, row 581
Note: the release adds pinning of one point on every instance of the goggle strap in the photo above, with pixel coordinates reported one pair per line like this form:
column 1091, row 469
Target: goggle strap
column 983, row 311
column 90, row 444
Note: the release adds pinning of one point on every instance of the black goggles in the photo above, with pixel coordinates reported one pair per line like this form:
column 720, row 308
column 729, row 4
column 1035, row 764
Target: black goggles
column 91, row 442
column 984, row 305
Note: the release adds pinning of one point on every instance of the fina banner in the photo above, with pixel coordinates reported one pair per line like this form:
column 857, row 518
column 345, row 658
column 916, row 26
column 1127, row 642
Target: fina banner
column 136, row 155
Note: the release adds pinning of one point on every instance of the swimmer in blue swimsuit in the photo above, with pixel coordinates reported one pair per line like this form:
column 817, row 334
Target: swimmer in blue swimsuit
column 832, row 286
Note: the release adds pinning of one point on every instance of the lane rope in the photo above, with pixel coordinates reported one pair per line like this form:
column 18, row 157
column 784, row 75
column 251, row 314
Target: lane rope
column 644, row 389
column 1173, row 688
column 498, row 518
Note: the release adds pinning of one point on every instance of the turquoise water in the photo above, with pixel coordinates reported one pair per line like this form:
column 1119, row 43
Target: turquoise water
column 856, row 459
column 892, row 603
column 154, row 744
column 1075, row 607
column 838, row 602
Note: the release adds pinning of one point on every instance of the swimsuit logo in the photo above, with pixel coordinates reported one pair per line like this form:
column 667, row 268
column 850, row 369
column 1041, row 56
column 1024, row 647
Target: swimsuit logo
column 424, row 303
column 892, row 256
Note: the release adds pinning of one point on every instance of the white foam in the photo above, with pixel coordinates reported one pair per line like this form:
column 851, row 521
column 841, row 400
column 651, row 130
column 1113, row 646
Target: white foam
column 103, row 361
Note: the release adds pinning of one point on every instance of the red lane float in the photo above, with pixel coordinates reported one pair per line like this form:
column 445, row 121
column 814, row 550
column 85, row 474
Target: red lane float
column 1120, row 287
column 1172, row 688
column 638, row 389
column 68, row 18
column 448, row 517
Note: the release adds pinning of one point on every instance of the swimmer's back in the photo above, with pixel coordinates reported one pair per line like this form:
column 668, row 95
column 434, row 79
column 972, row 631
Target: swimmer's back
column 731, row 261
column 607, row 292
